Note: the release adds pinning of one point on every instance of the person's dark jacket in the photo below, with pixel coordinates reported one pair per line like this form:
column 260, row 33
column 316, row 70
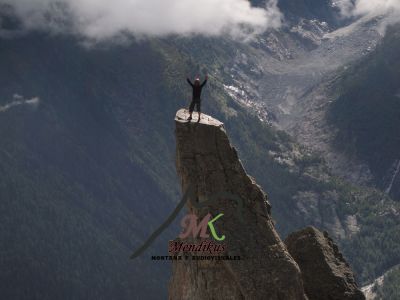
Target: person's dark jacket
column 197, row 89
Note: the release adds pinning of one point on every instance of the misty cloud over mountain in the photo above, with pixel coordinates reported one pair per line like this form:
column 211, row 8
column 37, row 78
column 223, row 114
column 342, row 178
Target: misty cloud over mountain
column 102, row 19
column 389, row 8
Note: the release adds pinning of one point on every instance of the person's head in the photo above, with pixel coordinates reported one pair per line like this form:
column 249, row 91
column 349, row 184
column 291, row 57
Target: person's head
column 197, row 81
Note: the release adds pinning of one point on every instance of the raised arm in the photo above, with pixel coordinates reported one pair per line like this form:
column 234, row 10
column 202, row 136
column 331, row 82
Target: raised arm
column 205, row 81
column 188, row 80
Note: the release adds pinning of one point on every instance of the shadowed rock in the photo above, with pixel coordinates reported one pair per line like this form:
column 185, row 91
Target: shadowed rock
column 326, row 275
column 206, row 160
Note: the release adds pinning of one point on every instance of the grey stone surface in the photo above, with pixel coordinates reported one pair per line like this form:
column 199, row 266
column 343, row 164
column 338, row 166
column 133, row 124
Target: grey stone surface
column 206, row 160
column 325, row 272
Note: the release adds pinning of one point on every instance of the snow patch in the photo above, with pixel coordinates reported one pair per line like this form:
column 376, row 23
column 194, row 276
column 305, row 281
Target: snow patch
column 396, row 170
column 241, row 96
column 20, row 100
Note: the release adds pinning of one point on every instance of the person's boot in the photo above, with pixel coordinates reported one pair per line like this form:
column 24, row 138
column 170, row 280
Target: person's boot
column 190, row 117
column 199, row 118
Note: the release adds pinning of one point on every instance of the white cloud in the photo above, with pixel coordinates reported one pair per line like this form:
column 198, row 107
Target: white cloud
column 390, row 8
column 101, row 19
column 346, row 7
column 376, row 6
column 19, row 100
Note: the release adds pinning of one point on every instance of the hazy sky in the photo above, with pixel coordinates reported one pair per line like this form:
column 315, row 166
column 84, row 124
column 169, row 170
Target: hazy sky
column 100, row 19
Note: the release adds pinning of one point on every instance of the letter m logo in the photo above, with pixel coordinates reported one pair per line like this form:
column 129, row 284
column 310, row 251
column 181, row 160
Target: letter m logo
column 190, row 226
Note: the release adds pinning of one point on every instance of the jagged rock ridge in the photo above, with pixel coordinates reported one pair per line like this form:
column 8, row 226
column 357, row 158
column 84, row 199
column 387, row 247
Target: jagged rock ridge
column 206, row 161
column 326, row 275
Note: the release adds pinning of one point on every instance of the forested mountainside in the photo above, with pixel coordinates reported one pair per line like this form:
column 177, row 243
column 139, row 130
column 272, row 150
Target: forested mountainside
column 366, row 111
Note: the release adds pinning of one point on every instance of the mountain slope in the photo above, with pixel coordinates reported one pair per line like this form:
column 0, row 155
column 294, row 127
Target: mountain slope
column 88, row 171
column 77, row 192
column 367, row 109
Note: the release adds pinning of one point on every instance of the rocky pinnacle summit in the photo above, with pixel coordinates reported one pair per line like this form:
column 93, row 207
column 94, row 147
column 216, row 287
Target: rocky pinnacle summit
column 208, row 163
column 206, row 160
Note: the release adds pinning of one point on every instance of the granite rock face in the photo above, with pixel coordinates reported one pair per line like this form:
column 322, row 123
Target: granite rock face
column 325, row 273
column 208, row 163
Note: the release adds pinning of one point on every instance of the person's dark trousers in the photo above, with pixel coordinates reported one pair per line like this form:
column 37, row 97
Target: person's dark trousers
column 195, row 102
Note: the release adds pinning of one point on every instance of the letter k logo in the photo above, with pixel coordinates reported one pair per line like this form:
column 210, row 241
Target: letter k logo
column 212, row 228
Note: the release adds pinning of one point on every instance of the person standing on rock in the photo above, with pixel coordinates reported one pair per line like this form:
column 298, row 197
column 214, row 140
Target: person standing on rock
column 196, row 99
